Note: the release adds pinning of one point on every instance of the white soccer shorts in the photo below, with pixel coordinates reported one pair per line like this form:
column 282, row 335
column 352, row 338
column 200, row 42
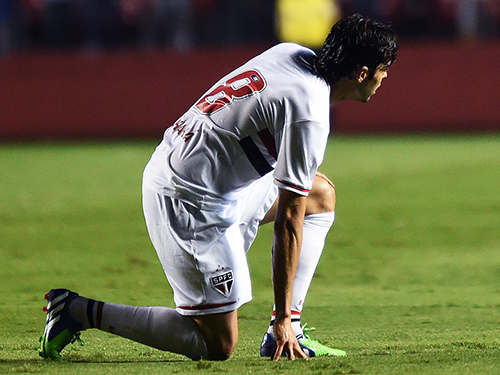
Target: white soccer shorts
column 202, row 252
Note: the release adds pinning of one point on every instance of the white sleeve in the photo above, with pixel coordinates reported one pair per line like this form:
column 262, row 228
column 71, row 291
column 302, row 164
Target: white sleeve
column 302, row 151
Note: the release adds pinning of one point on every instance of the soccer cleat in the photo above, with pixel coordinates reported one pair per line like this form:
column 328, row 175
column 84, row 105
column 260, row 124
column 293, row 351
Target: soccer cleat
column 310, row 347
column 60, row 328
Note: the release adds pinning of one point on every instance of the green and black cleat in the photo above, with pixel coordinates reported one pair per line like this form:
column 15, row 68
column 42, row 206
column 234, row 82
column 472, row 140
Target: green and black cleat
column 60, row 328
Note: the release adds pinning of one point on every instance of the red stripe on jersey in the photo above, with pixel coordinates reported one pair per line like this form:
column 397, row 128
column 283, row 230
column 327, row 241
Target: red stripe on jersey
column 206, row 307
column 268, row 140
column 294, row 186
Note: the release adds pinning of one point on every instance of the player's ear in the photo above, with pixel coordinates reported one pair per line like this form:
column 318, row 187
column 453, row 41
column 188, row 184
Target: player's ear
column 362, row 74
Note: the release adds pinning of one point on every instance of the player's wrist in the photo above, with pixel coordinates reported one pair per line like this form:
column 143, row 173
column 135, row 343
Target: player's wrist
column 283, row 316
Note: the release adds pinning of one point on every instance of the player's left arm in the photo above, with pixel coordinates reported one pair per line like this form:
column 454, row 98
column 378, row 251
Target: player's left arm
column 287, row 243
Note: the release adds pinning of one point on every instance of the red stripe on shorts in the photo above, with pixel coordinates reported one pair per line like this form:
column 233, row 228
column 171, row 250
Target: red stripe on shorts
column 206, row 307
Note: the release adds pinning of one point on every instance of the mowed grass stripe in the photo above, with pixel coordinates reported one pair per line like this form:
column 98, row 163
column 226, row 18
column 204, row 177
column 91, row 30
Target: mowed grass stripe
column 408, row 282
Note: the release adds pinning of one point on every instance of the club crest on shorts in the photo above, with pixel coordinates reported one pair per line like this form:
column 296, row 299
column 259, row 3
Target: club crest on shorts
column 223, row 281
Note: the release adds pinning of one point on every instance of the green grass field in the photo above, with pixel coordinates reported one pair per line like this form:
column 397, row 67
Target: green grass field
column 409, row 282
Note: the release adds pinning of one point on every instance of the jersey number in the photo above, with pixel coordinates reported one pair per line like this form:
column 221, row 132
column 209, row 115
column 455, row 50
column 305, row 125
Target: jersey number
column 244, row 84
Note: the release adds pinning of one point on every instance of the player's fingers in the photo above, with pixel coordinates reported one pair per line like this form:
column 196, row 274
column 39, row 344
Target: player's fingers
column 291, row 354
column 301, row 354
column 277, row 353
column 297, row 354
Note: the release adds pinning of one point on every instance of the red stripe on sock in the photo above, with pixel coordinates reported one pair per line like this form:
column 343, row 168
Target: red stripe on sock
column 98, row 318
column 294, row 313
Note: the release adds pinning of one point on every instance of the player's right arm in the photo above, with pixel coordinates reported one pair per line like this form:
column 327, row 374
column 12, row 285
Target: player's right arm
column 287, row 243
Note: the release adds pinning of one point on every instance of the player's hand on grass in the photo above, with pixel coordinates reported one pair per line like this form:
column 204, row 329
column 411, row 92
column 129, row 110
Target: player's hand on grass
column 286, row 341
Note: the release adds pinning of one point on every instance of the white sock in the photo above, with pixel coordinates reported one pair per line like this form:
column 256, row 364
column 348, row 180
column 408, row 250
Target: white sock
column 159, row 327
column 316, row 228
column 296, row 325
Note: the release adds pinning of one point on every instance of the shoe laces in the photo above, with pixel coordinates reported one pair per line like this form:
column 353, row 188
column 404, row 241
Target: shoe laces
column 305, row 329
column 78, row 339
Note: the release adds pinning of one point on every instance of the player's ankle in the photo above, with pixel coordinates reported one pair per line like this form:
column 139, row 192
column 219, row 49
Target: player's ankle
column 296, row 327
column 78, row 311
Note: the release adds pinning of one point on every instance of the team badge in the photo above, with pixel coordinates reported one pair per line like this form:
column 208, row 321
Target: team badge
column 223, row 281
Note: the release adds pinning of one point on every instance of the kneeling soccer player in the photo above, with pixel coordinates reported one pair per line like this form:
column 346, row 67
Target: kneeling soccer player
column 247, row 152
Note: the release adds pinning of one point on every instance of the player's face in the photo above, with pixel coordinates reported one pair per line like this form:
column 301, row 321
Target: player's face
column 368, row 87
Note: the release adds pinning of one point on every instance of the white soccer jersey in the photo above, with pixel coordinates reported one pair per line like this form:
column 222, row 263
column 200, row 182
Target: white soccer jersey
column 271, row 115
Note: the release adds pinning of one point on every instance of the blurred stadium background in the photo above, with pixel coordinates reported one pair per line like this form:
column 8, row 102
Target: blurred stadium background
column 114, row 69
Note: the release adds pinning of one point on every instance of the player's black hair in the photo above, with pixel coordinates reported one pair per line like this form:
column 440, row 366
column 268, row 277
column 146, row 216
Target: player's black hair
column 357, row 41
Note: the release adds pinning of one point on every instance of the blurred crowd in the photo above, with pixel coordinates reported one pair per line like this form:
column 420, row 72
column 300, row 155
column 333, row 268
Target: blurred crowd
column 186, row 24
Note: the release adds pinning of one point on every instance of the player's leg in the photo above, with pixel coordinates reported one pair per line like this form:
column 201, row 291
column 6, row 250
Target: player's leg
column 156, row 326
column 220, row 332
column 320, row 215
column 209, row 285
column 210, row 336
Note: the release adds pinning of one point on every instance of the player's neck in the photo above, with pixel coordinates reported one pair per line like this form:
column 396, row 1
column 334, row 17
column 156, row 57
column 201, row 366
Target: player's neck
column 342, row 90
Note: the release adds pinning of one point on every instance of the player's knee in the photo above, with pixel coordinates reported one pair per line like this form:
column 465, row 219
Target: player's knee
column 322, row 196
column 222, row 355
column 222, row 351
column 220, row 333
